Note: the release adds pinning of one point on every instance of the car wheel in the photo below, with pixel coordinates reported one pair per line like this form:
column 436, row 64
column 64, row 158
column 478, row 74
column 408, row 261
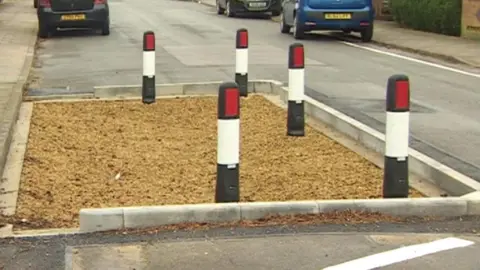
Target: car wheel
column 298, row 31
column 284, row 28
column 220, row 10
column 366, row 34
column 43, row 31
column 228, row 10
column 346, row 31
column 106, row 28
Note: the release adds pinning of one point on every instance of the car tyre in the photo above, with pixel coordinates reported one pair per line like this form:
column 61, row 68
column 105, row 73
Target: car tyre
column 284, row 28
column 228, row 10
column 220, row 10
column 298, row 31
column 106, row 28
column 43, row 31
column 346, row 31
column 366, row 34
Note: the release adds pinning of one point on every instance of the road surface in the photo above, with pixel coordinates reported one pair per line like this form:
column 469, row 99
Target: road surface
column 274, row 247
column 196, row 44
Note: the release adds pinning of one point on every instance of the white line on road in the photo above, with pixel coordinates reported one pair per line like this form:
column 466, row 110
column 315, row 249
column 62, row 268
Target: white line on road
column 412, row 59
column 401, row 254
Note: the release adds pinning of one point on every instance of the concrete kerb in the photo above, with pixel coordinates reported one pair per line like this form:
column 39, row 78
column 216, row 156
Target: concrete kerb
column 134, row 91
column 12, row 172
column 11, row 112
column 104, row 219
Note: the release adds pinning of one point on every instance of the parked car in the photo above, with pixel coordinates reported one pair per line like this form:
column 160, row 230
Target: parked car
column 53, row 14
column 303, row 16
column 233, row 7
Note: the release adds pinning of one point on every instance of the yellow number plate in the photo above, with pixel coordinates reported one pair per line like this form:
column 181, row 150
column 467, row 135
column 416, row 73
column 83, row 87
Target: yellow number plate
column 338, row 16
column 73, row 17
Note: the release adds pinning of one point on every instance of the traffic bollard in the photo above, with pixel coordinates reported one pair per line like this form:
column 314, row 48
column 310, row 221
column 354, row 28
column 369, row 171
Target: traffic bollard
column 228, row 146
column 241, row 61
column 395, row 177
column 296, row 90
column 148, row 83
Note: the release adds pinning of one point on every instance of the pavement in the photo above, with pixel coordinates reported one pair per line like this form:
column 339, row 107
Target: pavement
column 449, row 48
column 269, row 247
column 17, row 39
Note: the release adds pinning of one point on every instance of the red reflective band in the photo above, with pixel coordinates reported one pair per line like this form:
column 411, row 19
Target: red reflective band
column 243, row 39
column 232, row 96
column 298, row 57
column 99, row 2
column 150, row 42
column 44, row 3
column 402, row 97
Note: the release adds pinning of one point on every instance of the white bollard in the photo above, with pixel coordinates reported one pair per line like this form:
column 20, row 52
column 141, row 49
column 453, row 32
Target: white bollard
column 241, row 61
column 296, row 90
column 395, row 178
column 228, row 148
column 148, row 83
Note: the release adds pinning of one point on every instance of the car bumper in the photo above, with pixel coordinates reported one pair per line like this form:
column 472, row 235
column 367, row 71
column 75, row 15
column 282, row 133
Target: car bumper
column 93, row 18
column 315, row 19
column 241, row 6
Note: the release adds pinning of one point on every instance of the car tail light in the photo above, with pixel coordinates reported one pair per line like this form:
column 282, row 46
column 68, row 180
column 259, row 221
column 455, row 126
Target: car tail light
column 44, row 3
column 100, row 2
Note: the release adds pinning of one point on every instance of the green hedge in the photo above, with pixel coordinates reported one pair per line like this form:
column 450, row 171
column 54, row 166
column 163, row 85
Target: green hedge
column 438, row 16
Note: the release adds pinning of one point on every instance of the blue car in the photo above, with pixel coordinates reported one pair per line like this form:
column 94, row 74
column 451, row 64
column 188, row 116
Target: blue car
column 303, row 16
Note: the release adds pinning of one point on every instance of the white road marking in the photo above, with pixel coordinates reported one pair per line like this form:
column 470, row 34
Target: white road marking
column 401, row 254
column 413, row 60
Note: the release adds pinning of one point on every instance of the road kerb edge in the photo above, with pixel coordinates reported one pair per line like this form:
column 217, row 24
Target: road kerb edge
column 195, row 88
column 101, row 219
column 104, row 219
column 257, row 210
column 150, row 216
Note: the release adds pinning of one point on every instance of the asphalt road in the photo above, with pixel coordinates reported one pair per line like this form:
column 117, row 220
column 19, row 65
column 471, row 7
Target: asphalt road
column 195, row 44
column 272, row 247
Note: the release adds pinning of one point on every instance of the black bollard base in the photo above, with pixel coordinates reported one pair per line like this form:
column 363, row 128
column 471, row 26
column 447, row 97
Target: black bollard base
column 295, row 118
column 148, row 90
column 395, row 178
column 242, row 81
column 227, row 187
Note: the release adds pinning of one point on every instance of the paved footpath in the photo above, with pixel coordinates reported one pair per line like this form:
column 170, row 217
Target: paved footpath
column 460, row 49
column 18, row 26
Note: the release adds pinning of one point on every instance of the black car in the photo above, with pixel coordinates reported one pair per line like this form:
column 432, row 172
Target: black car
column 53, row 14
column 233, row 7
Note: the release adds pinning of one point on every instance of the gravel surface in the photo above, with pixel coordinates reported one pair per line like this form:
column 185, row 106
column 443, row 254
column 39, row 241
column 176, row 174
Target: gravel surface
column 107, row 154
